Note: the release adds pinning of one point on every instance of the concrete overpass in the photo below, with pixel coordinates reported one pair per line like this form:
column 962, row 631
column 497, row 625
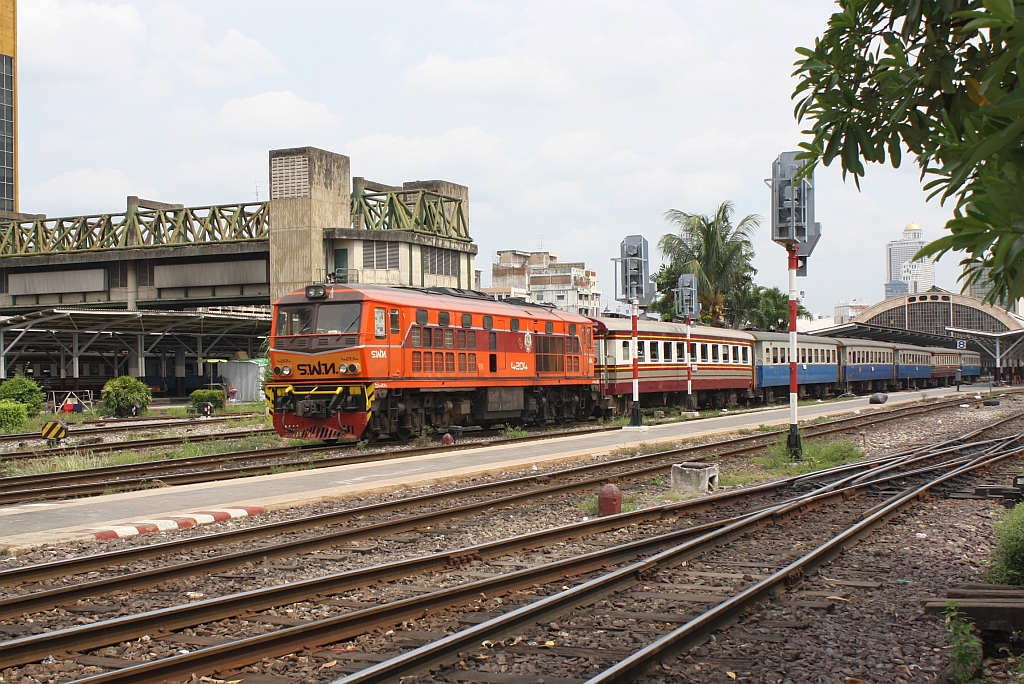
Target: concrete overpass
column 319, row 223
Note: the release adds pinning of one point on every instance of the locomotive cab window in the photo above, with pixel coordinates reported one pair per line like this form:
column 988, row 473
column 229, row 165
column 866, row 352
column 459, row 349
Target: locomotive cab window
column 341, row 317
column 394, row 321
column 295, row 320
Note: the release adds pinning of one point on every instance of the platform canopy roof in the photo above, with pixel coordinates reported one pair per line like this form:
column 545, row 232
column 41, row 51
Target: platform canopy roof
column 201, row 334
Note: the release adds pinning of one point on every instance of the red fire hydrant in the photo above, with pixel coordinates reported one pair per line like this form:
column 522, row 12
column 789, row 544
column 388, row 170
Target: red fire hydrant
column 609, row 501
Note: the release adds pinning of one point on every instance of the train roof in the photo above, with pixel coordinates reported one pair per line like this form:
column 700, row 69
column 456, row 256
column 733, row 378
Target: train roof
column 618, row 325
column 464, row 301
column 767, row 336
column 870, row 344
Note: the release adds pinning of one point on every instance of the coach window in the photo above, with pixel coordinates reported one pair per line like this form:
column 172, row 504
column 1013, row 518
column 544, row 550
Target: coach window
column 735, row 354
column 680, row 351
column 467, row 320
column 380, row 330
column 513, row 324
column 654, row 351
column 444, row 318
column 640, row 350
column 667, row 349
column 703, row 353
column 492, row 343
column 488, row 322
column 714, row 353
column 449, row 339
column 746, row 357
column 625, row 351
column 421, row 316
column 775, row 354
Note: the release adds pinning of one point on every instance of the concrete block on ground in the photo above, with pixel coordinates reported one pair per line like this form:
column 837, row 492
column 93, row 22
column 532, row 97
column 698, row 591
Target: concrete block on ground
column 694, row 478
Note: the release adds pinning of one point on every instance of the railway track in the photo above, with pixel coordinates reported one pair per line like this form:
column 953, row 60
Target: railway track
column 553, row 583
column 218, row 467
column 105, row 427
column 655, row 522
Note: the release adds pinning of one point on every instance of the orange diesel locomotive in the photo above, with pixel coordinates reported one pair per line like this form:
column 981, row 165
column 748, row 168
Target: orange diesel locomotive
column 358, row 361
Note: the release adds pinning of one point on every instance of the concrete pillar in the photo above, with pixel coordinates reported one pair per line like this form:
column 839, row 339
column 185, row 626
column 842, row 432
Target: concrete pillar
column 179, row 372
column 140, row 356
column 133, row 287
column 310, row 191
column 74, row 359
column 199, row 356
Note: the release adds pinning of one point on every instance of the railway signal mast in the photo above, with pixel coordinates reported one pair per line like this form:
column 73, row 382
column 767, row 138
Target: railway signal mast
column 688, row 307
column 633, row 286
column 794, row 228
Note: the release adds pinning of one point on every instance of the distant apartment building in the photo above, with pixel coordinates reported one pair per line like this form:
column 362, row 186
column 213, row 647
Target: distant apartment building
column 846, row 311
column 900, row 266
column 541, row 278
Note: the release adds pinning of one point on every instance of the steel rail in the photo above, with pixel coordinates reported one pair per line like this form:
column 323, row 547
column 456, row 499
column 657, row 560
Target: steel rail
column 420, row 659
column 75, row 486
column 287, row 640
column 74, row 432
column 696, row 631
column 66, row 567
column 97, row 634
column 41, row 600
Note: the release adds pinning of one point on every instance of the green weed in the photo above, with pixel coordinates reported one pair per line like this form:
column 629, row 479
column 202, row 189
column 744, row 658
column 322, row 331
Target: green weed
column 1008, row 563
column 514, row 432
column 965, row 656
column 818, row 455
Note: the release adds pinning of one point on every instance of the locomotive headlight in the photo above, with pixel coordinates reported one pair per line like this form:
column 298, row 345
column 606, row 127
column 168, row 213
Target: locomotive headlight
column 286, row 370
column 343, row 368
column 277, row 370
column 353, row 368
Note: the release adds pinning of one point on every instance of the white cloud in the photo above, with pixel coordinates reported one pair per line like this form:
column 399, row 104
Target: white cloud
column 83, row 192
column 67, row 41
column 391, row 45
column 277, row 118
column 385, row 155
column 498, row 79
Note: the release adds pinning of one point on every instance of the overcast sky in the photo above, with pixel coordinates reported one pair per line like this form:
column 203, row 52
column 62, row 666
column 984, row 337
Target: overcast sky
column 573, row 123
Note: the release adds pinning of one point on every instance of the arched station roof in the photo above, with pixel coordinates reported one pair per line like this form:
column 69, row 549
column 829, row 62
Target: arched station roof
column 934, row 311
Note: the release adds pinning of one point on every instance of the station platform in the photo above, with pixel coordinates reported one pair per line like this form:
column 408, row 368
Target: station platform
column 25, row 526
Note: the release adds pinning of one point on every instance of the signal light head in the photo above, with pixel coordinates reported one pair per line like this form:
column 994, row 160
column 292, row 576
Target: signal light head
column 316, row 292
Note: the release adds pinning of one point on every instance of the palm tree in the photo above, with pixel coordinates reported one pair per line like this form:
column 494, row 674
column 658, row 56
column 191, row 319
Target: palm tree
column 714, row 250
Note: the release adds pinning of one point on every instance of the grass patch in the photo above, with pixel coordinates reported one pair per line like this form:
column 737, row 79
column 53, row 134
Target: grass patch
column 733, row 479
column 514, row 432
column 818, row 455
column 1008, row 563
column 87, row 459
column 589, row 505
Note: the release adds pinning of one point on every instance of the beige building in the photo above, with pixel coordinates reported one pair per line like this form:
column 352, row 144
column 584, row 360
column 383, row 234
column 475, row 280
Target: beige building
column 541, row 278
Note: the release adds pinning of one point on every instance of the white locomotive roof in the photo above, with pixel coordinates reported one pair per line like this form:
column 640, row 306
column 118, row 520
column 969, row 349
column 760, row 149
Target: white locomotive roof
column 765, row 336
column 620, row 325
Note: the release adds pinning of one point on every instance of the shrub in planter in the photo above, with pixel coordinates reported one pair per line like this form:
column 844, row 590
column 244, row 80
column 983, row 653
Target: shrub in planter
column 215, row 397
column 13, row 416
column 120, row 393
column 24, row 391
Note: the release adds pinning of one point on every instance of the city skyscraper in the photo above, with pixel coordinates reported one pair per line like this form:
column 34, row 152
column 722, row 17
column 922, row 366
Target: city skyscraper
column 8, row 105
column 919, row 274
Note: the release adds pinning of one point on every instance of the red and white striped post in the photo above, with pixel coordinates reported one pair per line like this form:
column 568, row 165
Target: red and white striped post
column 793, row 442
column 636, row 419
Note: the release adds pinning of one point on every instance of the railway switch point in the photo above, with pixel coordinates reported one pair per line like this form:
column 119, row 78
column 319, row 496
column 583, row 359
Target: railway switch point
column 694, row 478
column 609, row 500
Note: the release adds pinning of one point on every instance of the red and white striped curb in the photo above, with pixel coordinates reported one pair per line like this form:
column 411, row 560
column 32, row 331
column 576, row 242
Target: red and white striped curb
column 175, row 523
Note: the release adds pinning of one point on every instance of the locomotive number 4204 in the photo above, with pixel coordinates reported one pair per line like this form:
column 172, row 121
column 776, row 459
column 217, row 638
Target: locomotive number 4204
column 378, row 354
column 519, row 366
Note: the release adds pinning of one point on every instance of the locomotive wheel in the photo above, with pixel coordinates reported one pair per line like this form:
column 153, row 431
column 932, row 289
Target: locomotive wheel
column 371, row 436
column 403, row 434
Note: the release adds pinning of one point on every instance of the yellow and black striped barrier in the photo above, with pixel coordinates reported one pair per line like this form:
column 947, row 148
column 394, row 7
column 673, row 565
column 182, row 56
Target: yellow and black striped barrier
column 54, row 430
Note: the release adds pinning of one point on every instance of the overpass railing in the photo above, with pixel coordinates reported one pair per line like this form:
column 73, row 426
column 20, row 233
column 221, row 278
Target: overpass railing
column 136, row 227
column 415, row 211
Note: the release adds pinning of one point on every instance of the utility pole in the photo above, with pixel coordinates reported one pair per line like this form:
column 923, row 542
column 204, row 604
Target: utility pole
column 794, row 228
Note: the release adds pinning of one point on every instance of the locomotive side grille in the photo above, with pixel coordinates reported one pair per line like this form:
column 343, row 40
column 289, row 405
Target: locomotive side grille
column 317, row 342
column 351, row 341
